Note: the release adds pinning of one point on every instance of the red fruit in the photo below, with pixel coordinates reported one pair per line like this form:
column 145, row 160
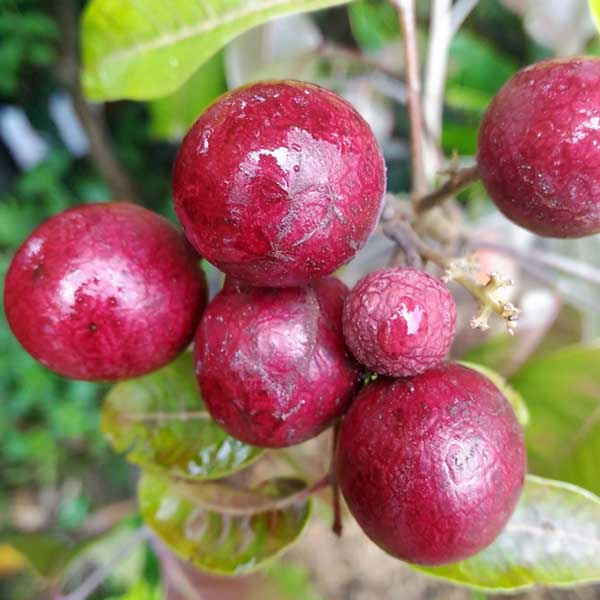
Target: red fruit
column 279, row 183
column 104, row 292
column 431, row 467
column 539, row 148
column 399, row 322
column 272, row 364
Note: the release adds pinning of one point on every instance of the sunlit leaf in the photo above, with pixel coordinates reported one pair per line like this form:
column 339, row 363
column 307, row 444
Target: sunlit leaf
column 562, row 392
column 172, row 116
column 552, row 539
column 232, row 543
column 161, row 421
column 147, row 49
column 515, row 399
column 595, row 10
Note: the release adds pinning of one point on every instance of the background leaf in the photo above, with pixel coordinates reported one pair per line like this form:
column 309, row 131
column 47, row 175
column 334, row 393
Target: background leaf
column 48, row 555
column 172, row 116
column 553, row 538
column 216, row 542
column 374, row 23
column 144, row 416
column 562, row 391
column 147, row 49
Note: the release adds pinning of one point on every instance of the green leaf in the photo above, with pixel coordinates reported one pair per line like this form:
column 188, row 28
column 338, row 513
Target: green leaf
column 562, row 391
column 595, row 10
column 476, row 65
column 161, row 419
column 374, row 23
column 231, row 541
column 143, row 50
column 515, row 399
column 172, row 116
column 553, row 538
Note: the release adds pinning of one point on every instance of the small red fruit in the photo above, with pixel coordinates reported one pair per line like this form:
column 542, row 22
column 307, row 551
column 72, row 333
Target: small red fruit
column 399, row 322
column 279, row 183
column 539, row 148
column 431, row 467
column 271, row 363
column 104, row 292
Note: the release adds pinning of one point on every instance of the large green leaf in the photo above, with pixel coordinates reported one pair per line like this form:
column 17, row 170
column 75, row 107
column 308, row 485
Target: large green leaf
column 172, row 116
column 237, row 539
column 562, row 392
column 595, row 9
column 161, row 420
column 145, row 49
column 553, row 538
column 374, row 23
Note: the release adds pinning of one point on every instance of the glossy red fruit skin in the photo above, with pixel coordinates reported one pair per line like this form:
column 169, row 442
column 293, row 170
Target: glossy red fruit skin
column 539, row 148
column 272, row 364
column 103, row 292
column 431, row 467
column 399, row 321
column 279, row 183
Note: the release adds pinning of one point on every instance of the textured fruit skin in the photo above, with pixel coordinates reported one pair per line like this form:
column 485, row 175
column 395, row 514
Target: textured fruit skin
column 279, row 183
column 539, row 148
column 399, row 321
column 431, row 467
column 104, row 292
column 272, row 364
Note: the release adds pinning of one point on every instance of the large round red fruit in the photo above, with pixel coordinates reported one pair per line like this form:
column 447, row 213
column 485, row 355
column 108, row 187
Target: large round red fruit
column 279, row 183
column 399, row 321
column 104, row 292
column 539, row 148
column 272, row 364
column 431, row 467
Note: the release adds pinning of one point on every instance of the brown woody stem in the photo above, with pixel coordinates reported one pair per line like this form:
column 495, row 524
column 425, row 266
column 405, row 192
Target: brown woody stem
column 457, row 182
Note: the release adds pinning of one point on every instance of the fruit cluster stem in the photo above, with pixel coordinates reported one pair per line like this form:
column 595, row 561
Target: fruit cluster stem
column 460, row 270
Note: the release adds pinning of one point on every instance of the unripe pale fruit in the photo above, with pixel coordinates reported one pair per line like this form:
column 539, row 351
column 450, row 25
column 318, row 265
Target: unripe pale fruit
column 399, row 321
column 272, row 364
column 431, row 467
column 279, row 183
column 103, row 292
column 539, row 148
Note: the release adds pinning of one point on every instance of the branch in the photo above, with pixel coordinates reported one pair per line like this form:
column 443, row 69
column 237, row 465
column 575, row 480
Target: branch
column 463, row 272
column 95, row 580
column 92, row 120
column 332, row 50
column 458, row 180
column 565, row 264
column 440, row 35
column 406, row 11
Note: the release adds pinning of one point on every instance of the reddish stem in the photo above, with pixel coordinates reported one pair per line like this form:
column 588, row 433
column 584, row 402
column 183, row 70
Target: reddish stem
column 335, row 490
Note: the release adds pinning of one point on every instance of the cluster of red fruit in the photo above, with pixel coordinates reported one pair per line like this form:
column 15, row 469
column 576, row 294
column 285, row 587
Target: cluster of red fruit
column 279, row 184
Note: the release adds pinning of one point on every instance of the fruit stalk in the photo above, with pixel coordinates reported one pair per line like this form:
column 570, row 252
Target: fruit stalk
column 459, row 179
